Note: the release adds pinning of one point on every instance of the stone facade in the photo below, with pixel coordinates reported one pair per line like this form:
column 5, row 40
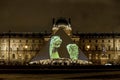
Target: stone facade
column 95, row 45
column 20, row 48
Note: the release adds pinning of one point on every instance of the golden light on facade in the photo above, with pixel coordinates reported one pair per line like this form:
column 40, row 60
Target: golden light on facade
column 26, row 46
column 88, row 47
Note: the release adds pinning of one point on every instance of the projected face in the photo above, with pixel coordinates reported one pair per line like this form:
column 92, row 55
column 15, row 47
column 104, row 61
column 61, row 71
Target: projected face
column 54, row 44
column 73, row 51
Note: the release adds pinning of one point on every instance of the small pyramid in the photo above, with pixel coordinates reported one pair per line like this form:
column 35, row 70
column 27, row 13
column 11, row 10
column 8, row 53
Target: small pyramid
column 62, row 50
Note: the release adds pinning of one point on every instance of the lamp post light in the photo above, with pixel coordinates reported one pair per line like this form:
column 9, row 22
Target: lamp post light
column 88, row 47
column 89, row 56
column 26, row 47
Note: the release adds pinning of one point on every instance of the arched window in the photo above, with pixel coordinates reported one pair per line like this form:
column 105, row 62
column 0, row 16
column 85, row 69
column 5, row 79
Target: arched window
column 96, row 48
column 109, row 47
column 103, row 41
column 13, row 56
column 26, row 41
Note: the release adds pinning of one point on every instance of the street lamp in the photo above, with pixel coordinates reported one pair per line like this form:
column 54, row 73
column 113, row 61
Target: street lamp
column 26, row 46
column 89, row 55
column 88, row 47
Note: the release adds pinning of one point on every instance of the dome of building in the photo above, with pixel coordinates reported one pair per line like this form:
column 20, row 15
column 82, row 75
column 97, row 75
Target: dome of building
column 62, row 21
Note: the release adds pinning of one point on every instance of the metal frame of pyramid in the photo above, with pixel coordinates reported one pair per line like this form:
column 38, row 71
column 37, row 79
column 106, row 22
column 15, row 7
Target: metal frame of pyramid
column 44, row 52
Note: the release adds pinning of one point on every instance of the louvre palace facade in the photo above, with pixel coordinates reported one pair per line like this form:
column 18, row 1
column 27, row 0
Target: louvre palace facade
column 20, row 48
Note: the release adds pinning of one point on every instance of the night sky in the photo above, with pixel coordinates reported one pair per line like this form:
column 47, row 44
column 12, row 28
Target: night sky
column 36, row 15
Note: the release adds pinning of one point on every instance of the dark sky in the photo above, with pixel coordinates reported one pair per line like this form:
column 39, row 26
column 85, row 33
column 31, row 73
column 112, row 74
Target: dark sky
column 36, row 15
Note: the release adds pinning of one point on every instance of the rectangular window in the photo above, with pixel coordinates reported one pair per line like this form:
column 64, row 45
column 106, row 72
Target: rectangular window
column 103, row 41
column 89, row 40
column 90, row 56
column 96, row 57
column 26, row 41
column 96, row 47
column 96, row 41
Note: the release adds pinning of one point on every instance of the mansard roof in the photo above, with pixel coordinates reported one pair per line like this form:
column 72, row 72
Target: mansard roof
column 42, row 34
column 97, row 35
column 24, row 34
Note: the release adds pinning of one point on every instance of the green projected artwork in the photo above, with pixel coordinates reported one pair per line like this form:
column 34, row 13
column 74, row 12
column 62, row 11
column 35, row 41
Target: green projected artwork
column 73, row 51
column 54, row 45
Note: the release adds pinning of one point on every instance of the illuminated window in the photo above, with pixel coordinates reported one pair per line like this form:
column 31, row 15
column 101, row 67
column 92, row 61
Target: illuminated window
column 109, row 47
column 96, row 57
column 26, row 46
column 90, row 56
column 88, row 46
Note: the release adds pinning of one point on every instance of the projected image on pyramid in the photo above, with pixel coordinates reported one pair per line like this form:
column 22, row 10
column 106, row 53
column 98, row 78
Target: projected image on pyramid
column 54, row 45
column 73, row 51
column 60, row 48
